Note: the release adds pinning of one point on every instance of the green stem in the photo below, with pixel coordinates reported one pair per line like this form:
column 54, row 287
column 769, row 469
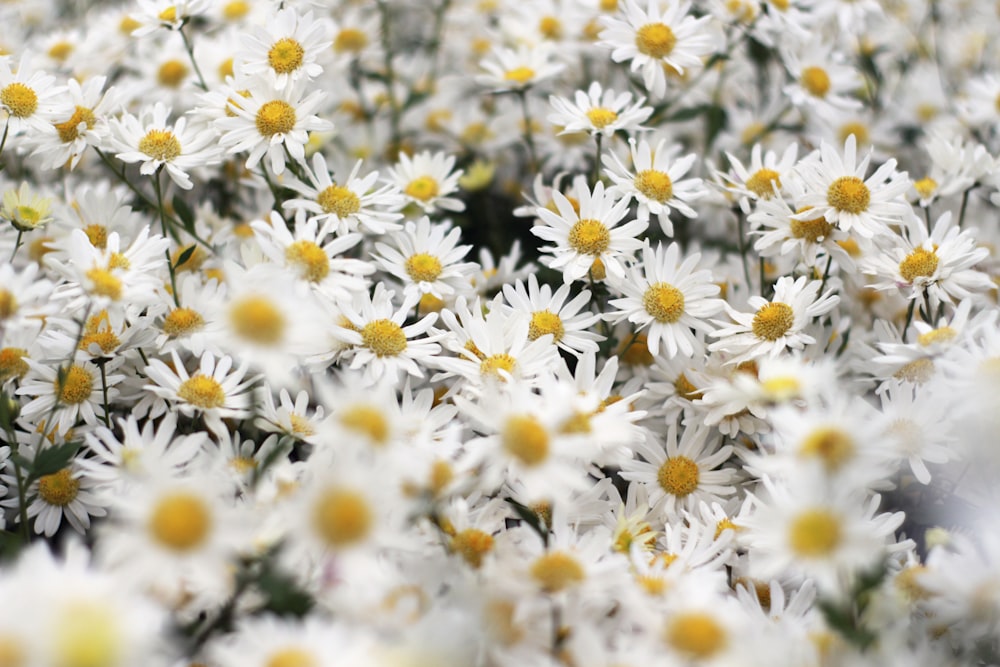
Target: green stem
column 965, row 202
column 390, row 77
column 17, row 244
column 104, row 393
column 3, row 141
column 597, row 159
column 741, row 232
column 529, row 137
column 22, row 492
column 163, row 228
column 909, row 317
column 194, row 63
column 826, row 273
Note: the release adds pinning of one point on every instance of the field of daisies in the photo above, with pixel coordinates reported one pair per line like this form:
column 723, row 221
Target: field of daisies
column 483, row 333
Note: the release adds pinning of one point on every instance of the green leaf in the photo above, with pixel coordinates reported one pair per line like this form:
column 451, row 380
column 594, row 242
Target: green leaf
column 531, row 518
column 283, row 595
column 185, row 256
column 689, row 112
column 52, row 459
column 184, row 212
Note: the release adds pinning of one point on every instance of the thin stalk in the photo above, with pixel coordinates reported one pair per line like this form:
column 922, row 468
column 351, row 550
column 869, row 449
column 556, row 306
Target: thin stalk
column 826, row 273
column 194, row 63
column 529, row 137
column 741, row 232
column 965, row 202
column 390, row 77
column 104, row 393
column 22, row 492
column 909, row 317
column 163, row 227
column 3, row 141
column 17, row 244
column 597, row 160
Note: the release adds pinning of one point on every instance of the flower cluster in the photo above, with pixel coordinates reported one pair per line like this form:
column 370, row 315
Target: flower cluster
column 344, row 333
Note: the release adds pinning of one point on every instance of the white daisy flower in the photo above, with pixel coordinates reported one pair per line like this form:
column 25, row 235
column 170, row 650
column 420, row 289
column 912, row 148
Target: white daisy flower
column 836, row 188
column 782, row 234
column 151, row 140
column 195, row 325
column 762, row 179
column 598, row 112
column 380, row 343
column 68, row 493
column 286, row 46
column 215, row 390
column 269, row 122
column 821, row 80
column 151, row 15
column 551, row 314
column 680, row 474
column 916, row 421
column 426, row 258
column 262, row 641
column 588, row 239
column 510, row 69
column 426, row 180
column 295, row 418
column 87, row 124
column 655, row 183
column 69, row 393
column 670, row 297
column 29, row 98
column 655, row 37
column 776, row 325
column 353, row 205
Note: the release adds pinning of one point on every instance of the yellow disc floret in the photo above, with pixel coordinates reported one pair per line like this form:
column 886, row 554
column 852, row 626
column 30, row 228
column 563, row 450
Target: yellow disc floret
column 812, row 230
column 920, row 263
column 8, row 304
column 423, row 267
column 656, row 40
column 76, row 386
column 291, row 656
column 258, row 320
column 521, row 75
column 350, row 40
column 664, row 302
column 338, row 200
column 275, row 117
column 678, row 476
column 285, row 55
column 59, row 488
column 12, row 363
column 383, row 337
column 526, row 439
column 493, row 364
column 557, row 571
column 472, row 545
column 764, row 183
column 655, row 185
column 202, row 391
column 600, row 117
column 816, row 81
column 773, row 320
column 832, row 446
column 367, row 420
column 696, row 634
column 69, row 130
column 422, row 188
column 849, row 194
column 815, row 533
column 311, row 260
column 160, row 145
column 20, row 100
column 545, row 322
column 172, row 73
column 182, row 321
column 342, row 517
column 180, row 521
column 589, row 237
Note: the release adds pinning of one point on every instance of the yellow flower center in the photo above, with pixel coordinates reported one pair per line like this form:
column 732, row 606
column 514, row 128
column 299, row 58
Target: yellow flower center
column 97, row 235
column 291, row 657
column 180, row 521
column 182, row 321
column 169, row 14
column 635, row 353
column 816, row 81
column 678, row 476
column 59, row 488
column 86, row 634
column 917, row 371
column 160, row 145
column 423, row 267
column 752, row 132
column 13, row 365
column 920, row 263
column 655, row 40
column 366, row 420
column 664, row 302
column 655, row 185
column 422, row 188
column 589, row 237
column 258, row 320
column 526, row 439
column 550, row 27
column 342, row 517
column 849, row 194
column 780, row 4
column 172, row 73
column 857, row 128
column 925, row 187
column 8, row 304
column 696, row 634
column 383, row 337
column 815, row 533
column 601, row 117
column 773, row 320
column 69, row 130
column 520, row 75
column 275, row 117
column 557, row 571
column 226, row 69
column 942, row 335
column 812, row 230
column 285, row 55
column 472, row 545
column 339, row 201
column 301, row 425
column 310, row 258
column 60, row 51
column 685, row 389
column 76, row 386
column 764, row 182
column 350, row 40
column 235, row 10
column 545, row 322
column 128, row 25
column 20, row 100
column 104, row 339
column 832, row 446
column 493, row 364
column 202, row 391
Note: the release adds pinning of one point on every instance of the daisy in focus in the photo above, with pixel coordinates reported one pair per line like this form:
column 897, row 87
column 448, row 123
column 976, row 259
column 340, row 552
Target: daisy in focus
column 598, row 112
column 426, row 258
column 426, row 180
